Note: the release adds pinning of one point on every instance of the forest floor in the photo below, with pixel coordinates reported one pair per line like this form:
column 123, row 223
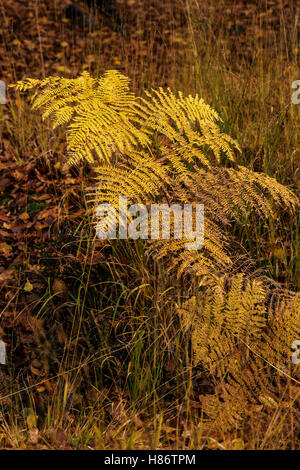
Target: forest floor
column 57, row 391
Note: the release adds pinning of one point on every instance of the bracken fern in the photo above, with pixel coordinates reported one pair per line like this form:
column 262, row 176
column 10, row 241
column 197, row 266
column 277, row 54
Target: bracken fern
column 167, row 148
column 161, row 148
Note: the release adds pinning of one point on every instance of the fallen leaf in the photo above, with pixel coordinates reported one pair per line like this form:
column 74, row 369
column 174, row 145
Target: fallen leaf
column 28, row 287
column 7, row 275
column 59, row 287
column 34, row 436
column 24, row 216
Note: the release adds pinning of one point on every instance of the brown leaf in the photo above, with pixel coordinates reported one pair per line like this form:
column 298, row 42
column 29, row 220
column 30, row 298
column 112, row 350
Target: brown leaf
column 24, row 216
column 59, row 287
column 4, row 183
column 34, row 436
column 7, row 275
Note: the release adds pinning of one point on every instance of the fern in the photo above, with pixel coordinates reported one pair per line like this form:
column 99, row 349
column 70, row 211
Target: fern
column 167, row 148
column 245, row 347
column 99, row 114
column 221, row 320
column 163, row 148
